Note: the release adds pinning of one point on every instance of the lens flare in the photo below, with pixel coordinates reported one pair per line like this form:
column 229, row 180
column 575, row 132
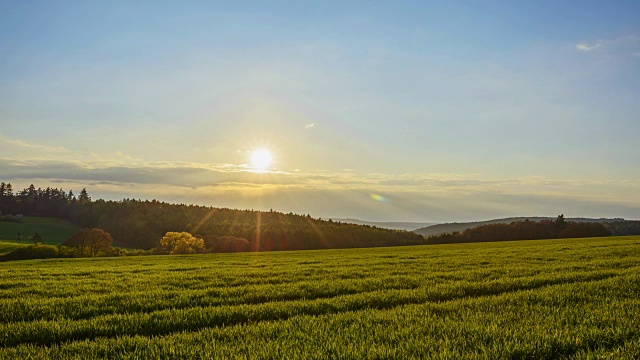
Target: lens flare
column 378, row 197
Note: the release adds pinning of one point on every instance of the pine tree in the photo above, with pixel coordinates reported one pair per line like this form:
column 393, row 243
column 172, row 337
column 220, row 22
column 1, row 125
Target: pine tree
column 84, row 196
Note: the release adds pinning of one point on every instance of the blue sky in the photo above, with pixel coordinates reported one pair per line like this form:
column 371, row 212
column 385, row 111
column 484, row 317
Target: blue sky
column 450, row 110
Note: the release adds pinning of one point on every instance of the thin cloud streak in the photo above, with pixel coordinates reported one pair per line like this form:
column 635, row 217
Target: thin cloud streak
column 25, row 145
column 585, row 47
column 622, row 45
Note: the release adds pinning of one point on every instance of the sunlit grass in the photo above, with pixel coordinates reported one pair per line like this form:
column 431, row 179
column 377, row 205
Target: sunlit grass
column 531, row 299
column 7, row 246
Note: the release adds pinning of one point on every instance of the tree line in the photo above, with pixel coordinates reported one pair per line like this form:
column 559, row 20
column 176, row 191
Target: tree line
column 142, row 223
column 84, row 243
column 524, row 230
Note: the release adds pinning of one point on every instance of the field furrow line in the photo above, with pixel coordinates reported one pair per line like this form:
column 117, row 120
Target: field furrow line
column 177, row 320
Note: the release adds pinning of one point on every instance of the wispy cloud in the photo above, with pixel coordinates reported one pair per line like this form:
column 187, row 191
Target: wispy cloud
column 44, row 153
column 25, row 145
column 309, row 126
column 622, row 45
column 586, row 47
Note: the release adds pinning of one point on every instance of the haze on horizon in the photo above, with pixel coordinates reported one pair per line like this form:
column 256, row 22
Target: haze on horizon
column 381, row 111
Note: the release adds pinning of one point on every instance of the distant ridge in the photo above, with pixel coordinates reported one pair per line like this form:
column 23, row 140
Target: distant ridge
column 401, row 225
column 451, row 227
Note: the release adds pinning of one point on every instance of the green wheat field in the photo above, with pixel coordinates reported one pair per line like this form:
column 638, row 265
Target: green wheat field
column 551, row 299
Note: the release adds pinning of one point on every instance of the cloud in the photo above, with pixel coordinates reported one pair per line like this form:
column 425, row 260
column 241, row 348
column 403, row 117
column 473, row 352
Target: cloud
column 585, row 47
column 25, row 145
column 196, row 175
column 309, row 126
column 30, row 152
column 181, row 174
column 622, row 45
column 355, row 203
column 346, row 193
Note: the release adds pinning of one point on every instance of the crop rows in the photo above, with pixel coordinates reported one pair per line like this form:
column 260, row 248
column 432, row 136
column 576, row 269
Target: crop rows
column 535, row 299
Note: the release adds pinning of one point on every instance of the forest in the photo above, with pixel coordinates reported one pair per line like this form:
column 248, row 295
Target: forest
column 535, row 230
column 141, row 224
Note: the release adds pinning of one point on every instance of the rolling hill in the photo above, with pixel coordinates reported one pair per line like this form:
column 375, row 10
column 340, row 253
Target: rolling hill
column 451, row 227
column 392, row 225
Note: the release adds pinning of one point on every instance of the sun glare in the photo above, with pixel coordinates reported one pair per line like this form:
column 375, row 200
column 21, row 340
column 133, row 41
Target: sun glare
column 261, row 159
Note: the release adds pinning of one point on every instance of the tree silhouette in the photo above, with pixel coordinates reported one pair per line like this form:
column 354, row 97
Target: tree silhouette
column 37, row 239
column 84, row 196
column 89, row 242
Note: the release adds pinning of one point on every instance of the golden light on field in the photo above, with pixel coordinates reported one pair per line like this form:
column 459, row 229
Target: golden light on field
column 261, row 159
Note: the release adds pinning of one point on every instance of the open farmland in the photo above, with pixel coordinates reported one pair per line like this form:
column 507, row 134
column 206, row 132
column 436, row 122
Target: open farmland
column 531, row 299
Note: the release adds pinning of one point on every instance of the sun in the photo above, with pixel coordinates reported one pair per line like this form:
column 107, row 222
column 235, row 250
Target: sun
column 261, row 159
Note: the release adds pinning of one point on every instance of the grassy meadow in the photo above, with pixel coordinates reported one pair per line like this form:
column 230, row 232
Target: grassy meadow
column 53, row 231
column 7, row 246
column 551, row 299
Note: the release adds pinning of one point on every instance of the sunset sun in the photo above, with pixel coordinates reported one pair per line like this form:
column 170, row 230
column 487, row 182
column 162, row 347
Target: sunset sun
column 261, row 159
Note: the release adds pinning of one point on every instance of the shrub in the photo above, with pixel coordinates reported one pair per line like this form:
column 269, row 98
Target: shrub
column 37, row 251
column 90, row 242
column 114, row 251
column 228, row 244
column 182, row 243
column 65, row 251
column 136, row 252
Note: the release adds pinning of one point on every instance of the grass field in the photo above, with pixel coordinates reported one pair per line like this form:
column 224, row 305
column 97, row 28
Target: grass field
column 53, row 231
column 8, row 246
column 513, row 300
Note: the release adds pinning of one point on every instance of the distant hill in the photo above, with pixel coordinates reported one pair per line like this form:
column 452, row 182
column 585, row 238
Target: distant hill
column 408, row 226
column 451, row 227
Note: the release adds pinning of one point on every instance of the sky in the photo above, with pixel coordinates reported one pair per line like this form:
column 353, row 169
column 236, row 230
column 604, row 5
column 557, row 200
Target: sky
column 379, row 110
